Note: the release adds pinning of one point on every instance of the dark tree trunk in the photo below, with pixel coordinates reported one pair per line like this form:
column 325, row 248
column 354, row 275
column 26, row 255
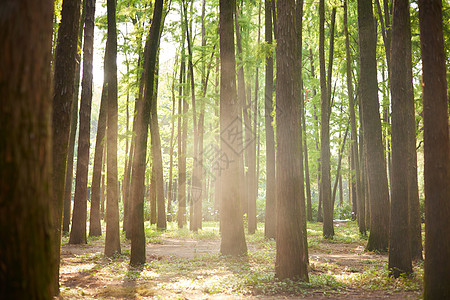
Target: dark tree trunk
column 436, row 152
column 376, row 166
column 182, row 135
column 112, row 240
column 354, row 136
column 95, row 228
column 325, row 188
column 27, row 249
column 270, row 220
column 139, row 159
column 401, row 91
column 79, row 218
column 170, row 192
column 161, row 221
column 291, row 255
column 64, row 76
column 307, row 178
column 69, row 174
column 232, row 225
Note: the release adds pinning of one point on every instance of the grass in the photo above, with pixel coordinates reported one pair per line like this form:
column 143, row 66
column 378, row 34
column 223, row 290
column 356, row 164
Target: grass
column 175, row 277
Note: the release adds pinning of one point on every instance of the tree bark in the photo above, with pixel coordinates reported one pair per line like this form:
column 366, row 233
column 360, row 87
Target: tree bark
column 270, row 219
column 232, row 225
column 112, row 240
column 376, row 166
column 354, row 135
column 401, row 90
column 436, row 152
column 27, row 249
column 64, row 76
column 142, row 121
column 94, row 224
column 79, row 218
column 291, row 255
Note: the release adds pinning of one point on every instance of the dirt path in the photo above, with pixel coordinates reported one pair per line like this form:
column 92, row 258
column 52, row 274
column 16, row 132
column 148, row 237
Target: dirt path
column 176, row 270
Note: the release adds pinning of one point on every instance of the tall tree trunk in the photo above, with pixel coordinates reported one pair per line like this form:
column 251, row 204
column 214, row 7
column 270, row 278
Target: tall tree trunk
column 233, row 236
column 182, row 136
column 79, row 218
column 307, row 178
column 69, row 174
column 157, row 162
column 354, row 135
column 401, row 90
column 376, row 167
column 270, row 220
column 27, row 250
column 73, row 130
column 112, row 240
column 325, row 190
column 63, row 91
column 436, row 152
column 291, row 255
column 170, row 194
column 142, row 122
column 94, row 224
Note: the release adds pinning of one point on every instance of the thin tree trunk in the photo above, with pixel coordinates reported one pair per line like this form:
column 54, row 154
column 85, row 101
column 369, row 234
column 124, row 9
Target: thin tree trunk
column 78, row 230
column 270, row 220
column 354, row 136
column 112, row 240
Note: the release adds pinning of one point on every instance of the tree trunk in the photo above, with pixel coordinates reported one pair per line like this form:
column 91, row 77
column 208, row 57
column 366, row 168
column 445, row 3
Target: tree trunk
column 161, row 222
column 142, row 122
column 354, row 136
column 182, row 136
column 270, row 219
column 401, row 90
column 27, row 250
column 69, row 174
column 376, row 167
column 94, row 224
column 436, row 152
column 78, row 230
column 112, row 240
column 63, row 90
column 291, row 255
column 325, row 190
column 233, row 236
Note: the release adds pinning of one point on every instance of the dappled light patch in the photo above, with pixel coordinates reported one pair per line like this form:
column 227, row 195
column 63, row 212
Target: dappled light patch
column 182, row 264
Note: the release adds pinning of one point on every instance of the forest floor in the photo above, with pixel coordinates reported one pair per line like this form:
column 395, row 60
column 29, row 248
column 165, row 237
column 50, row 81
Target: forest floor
column 185, row 265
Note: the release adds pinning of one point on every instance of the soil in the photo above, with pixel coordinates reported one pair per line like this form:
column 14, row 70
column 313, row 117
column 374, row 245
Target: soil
column 86, row 274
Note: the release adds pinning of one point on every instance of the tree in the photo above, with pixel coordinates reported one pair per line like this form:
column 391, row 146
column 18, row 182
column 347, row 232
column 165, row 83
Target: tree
column 354, row 135
column 291, row 261
column 112, row 240
column 27, row 249
column 401, row 90
column 325, row 183
column 232, row 225
column 64, row 76
column 78, row 230
column 140, row 153
column 95, row 228
column 436, row 152
column 376, row 167
column 270, row 221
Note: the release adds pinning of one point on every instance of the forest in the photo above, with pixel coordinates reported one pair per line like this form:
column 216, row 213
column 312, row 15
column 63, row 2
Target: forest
column 224, row 149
